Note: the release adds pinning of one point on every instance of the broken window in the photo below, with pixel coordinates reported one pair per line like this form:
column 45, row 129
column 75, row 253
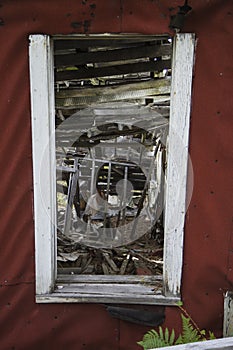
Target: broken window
column 110, row 125
column 112, row 103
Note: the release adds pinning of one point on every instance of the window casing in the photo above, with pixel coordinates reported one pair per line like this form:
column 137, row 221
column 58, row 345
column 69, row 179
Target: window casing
column 120, row 289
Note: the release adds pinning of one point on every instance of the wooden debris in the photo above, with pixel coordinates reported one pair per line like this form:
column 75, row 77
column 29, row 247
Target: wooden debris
column 124, row 265
column 119, row 71
column 110, row 262
column 141, row 257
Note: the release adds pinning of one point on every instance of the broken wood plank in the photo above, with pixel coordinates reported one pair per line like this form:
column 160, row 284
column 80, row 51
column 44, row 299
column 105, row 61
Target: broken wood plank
column 113, row 40
column 76, row 97
column 86, row 266
column 132, row 90
column 71, row 194
column 87, row 73
column 124, row 264
column 105, row 268
column 77, row 59
column 110, row 262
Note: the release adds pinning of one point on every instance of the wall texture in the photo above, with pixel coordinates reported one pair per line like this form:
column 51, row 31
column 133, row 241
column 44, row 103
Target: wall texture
column 208, row 254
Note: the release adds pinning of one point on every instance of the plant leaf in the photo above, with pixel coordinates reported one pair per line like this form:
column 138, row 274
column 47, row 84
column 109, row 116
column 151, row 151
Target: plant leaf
column 179, row 303
column 211, row 335
column 166, row 335
column 179, row 340
column 172, row 337
column 161, row 333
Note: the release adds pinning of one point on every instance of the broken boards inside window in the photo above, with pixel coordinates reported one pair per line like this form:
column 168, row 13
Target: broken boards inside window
column 112, row 98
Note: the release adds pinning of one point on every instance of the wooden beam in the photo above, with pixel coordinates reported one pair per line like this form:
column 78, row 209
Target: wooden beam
column 83, row 42
column 76, row 97
column 228, row 315
column 177, row 160
column 43, row 150
column 88, row 73
column 82, row 58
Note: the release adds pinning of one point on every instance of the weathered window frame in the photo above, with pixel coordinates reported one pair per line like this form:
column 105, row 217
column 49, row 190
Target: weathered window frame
column 49, row 286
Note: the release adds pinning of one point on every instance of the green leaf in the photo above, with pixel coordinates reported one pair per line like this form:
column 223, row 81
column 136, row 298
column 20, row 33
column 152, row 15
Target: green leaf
column 141, row 343
column 161, row 333
column 172, row 338
column 190, row 334
column 166, row 336
column 211, row 335
column 179, row 340
column 179, row 303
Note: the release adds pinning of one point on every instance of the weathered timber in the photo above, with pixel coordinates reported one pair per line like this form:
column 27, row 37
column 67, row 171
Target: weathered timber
column 71, row 194
column 88, row 73
column 215, row 344
column 82, row 58
column 92, row 279
column 98, row 95
column 75, row 97
column 83, row 42
column 228, row 314
column 153, row 86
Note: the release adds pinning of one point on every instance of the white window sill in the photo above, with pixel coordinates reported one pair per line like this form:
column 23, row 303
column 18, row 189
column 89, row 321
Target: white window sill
column 124, row 290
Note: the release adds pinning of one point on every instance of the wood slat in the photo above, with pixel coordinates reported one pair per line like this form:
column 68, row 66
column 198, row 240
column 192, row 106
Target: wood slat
column 228, row 314
column 100, row 298
column 83, row 42
column 64, row 278
column 216, row 344
column 162, row 86
column 77, row 59
column 88, row 73
column 99, row 288
column 76, row 97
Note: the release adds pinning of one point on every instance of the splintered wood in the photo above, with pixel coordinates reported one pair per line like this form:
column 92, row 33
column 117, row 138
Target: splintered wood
column 143, row 257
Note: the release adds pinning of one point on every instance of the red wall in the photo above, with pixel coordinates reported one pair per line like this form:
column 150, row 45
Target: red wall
column 208, row 255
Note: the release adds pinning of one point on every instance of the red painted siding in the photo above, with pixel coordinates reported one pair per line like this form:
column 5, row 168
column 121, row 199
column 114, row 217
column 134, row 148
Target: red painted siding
column 208, row 261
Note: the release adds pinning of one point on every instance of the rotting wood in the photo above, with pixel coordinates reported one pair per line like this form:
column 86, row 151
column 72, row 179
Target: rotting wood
column 106, row 279
column 81, row 58
column 121, row 298
column 111, row 289
column 150, row 87
column 111, row 262
column 88, row 73
column 84, row 42
column 228, row 314
column 124, row 265
column 71, row 194
column 125, row 260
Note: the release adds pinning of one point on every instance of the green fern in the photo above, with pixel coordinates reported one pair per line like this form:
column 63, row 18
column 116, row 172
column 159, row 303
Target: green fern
column 153, row 339
column 190, row 334
column 211, row 336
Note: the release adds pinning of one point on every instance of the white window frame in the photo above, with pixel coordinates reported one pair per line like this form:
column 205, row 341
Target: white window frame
column 49, row 288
